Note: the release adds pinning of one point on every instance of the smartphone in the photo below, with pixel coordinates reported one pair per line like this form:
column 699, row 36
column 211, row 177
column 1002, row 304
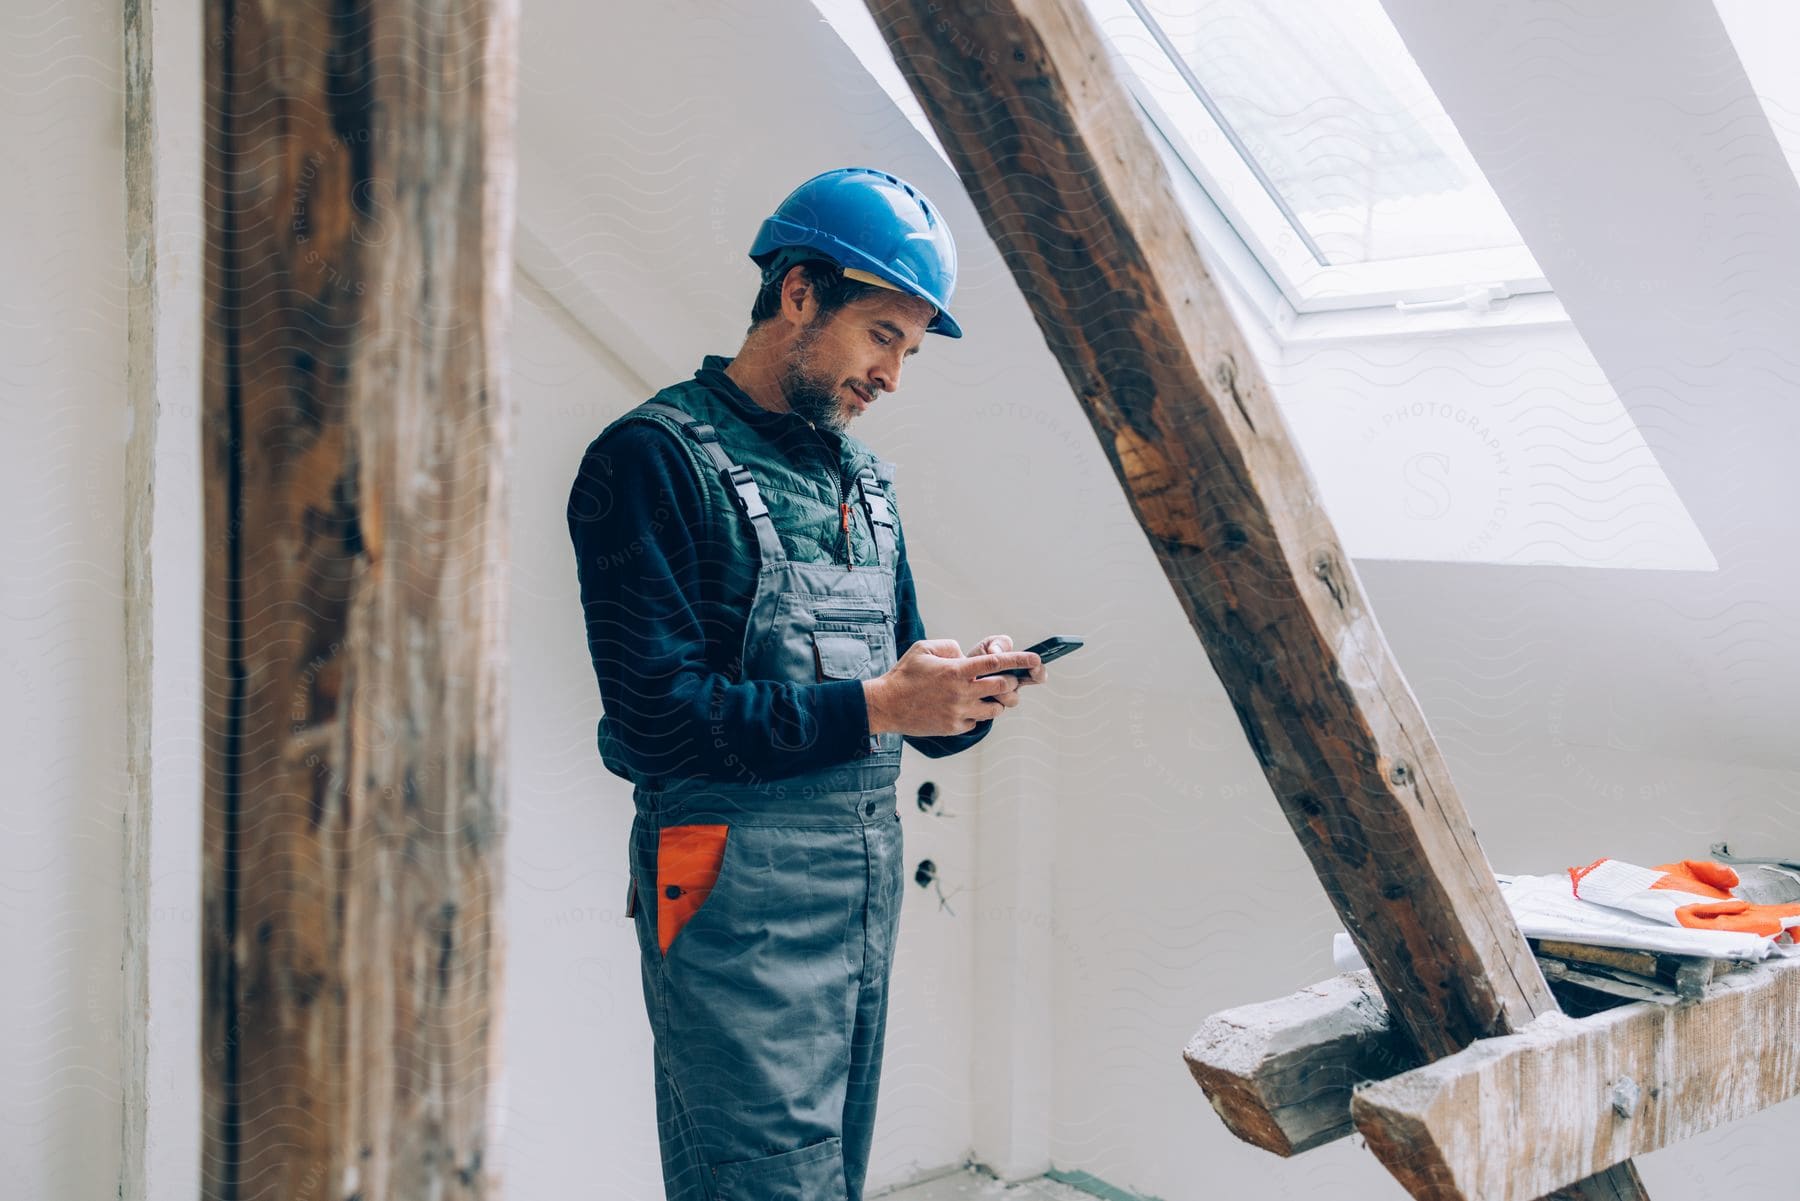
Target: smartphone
column 1053, row 647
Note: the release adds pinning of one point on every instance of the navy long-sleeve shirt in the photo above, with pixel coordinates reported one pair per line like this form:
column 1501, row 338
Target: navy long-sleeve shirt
column 661, row 631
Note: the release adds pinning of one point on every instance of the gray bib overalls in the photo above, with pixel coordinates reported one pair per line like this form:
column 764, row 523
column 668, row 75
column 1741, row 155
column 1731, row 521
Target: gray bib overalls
column 766, row 909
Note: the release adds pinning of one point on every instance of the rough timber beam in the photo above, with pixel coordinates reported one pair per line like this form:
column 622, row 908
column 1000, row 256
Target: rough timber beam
column 1280, row 1073
column 1051, row 150
column 1597, row 1090
column 358, row 203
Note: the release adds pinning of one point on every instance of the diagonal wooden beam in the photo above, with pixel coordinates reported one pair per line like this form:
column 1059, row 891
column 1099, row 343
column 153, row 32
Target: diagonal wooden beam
column 1051, row 149
column 358, row 193
column 1055, row 159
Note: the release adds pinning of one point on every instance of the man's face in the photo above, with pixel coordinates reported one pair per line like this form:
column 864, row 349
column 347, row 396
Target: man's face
column 839, row 364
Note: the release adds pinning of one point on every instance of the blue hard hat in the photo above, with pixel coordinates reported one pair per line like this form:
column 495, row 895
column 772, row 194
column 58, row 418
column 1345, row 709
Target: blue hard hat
column 871, row 224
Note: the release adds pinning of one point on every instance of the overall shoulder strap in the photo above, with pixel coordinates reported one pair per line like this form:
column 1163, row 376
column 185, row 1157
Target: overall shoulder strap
column 739, row 484
column 873, row 485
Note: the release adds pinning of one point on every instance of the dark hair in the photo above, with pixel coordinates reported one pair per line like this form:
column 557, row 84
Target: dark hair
column 830, row 287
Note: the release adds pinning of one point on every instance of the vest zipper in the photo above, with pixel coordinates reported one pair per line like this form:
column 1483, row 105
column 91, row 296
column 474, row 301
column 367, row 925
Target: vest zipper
column 844, row 512
column 843, row 483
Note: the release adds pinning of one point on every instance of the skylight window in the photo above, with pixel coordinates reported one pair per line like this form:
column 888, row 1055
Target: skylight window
column 1319, row 172
column 1312, row 129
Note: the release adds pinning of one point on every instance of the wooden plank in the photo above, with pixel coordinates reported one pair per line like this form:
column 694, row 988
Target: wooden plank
column 1624, row 959
column 1279, row 1073
column 1607, row 981
column 1615, row 972
column 1452, row 1127
column 358, row 186
column 1687, row 975
column 1051, row 149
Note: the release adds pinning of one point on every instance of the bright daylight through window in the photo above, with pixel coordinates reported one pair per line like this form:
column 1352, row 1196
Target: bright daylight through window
column 1310, row 126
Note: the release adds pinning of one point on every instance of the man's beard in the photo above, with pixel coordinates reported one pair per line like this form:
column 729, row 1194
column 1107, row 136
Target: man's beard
column 815, row 397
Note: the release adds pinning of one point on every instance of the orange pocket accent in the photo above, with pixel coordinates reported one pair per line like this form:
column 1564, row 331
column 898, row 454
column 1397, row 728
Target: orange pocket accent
column 687, row 865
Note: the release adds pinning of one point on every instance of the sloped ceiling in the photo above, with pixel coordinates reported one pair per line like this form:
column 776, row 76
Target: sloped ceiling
column 1633, row 156
column 1630, row 153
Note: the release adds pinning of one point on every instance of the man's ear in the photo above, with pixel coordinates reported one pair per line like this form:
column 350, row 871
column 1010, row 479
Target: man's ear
column 796, row 292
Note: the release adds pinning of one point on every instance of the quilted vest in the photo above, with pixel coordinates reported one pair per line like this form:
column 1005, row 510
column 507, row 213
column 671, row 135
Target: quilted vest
column 803, row 479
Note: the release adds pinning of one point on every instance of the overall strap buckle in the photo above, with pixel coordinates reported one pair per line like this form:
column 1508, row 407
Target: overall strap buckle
column 875, row 501
column 744, row 490
column 739, row 483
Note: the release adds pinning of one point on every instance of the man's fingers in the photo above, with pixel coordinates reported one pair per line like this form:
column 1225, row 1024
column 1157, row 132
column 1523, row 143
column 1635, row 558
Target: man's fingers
column 1005, row 661
column 995, row 687
column 946, row 648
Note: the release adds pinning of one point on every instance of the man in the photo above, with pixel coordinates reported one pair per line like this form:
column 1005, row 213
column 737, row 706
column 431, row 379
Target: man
column 744, row 578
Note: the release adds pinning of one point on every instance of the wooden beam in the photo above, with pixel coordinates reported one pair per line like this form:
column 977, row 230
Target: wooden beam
column 1280, row 1072
column 1597, row 1091
column 358, row 196
column 1025, row 100
column 1055, row 159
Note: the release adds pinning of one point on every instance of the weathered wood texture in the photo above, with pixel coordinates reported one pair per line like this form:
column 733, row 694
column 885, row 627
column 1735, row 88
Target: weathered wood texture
column 1053, row 154
column 1624, row 959
column 1280, row 1072
column 1685, row 975
column 358, row 188
column 1456, row 1124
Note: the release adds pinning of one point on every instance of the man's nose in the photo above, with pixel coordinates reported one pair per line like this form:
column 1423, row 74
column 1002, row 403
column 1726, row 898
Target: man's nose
column 887, row 376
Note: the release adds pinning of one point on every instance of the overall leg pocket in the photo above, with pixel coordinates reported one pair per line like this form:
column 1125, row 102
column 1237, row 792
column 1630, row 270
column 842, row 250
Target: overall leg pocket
column 814, row 1173
column 688, row 859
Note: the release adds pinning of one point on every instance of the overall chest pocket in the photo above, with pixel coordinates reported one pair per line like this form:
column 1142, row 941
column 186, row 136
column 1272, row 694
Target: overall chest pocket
column 850, row 644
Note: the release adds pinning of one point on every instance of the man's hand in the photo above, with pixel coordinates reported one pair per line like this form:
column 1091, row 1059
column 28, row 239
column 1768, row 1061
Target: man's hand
column 996, row 643
column 934, row 690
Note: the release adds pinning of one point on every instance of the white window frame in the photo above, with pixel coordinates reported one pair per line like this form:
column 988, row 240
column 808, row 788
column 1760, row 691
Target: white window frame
column 1236, row 261
column 1210, row 154
column 1238, row 267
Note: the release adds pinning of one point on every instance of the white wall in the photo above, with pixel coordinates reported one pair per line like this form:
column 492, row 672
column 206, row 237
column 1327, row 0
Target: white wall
column 574, row 1030
column 62, row 670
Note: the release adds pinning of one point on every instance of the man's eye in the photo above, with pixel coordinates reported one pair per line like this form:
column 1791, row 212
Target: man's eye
column 881, row 338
